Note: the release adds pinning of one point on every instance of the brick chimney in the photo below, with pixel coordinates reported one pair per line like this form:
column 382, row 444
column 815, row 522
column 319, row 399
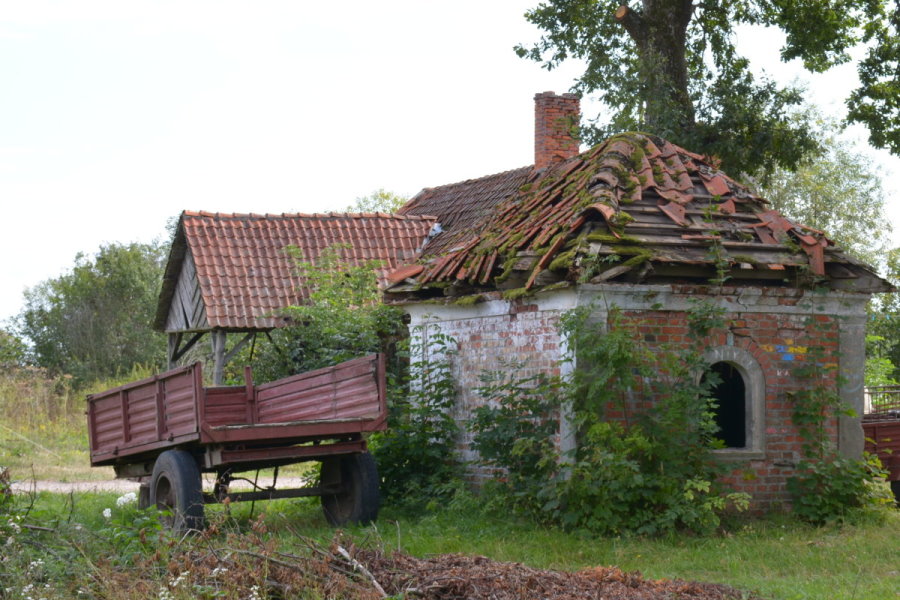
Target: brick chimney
column 556, row 118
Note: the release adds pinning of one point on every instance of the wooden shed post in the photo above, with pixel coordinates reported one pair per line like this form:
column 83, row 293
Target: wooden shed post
column 173, row 348
column 218, row 348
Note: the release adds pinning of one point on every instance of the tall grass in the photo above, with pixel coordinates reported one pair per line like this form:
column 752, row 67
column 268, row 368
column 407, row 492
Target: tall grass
column 43, row 432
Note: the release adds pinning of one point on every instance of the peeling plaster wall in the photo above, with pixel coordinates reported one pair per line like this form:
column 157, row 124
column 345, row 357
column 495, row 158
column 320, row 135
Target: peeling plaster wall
column 492, row 336
column 769, row 329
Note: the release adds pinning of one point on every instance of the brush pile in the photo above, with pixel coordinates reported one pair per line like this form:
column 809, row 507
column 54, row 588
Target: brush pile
column 345, row 571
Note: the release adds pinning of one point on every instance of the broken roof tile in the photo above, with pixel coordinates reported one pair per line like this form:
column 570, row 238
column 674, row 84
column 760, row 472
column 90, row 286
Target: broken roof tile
column 672, row 202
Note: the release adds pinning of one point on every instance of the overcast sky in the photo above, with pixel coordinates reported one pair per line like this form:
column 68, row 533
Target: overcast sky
column 117, row 115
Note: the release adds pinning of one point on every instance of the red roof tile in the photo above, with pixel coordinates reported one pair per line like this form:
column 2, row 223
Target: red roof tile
column 464, row 206
column 668, row 204
column 244, row 273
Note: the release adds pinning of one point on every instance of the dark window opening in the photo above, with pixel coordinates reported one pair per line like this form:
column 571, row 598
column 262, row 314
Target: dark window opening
column 731, row 405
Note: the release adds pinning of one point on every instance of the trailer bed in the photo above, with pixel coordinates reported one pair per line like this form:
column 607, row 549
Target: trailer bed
column 142, row 419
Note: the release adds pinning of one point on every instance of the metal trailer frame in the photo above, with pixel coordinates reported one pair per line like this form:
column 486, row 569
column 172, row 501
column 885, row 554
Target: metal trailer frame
column 321, row 415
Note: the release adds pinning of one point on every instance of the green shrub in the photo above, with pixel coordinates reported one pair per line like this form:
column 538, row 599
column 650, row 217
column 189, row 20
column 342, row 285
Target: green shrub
column 827, row 485
column 832, row 487
column 649, row 470
column 416, row 456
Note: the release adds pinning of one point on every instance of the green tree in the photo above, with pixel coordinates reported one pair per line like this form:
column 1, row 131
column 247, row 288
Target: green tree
column 12, row 349
column 838, row 191
column 94, row 321
column 883, row 330
column 381, row 200
column 342, row 318
column 671, row 67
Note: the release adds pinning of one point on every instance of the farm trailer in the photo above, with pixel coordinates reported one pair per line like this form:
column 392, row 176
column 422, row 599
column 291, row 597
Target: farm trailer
column 168, row 429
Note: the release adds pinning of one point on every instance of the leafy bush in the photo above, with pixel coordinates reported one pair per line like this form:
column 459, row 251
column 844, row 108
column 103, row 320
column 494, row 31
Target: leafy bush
column 342, row 318
column 831, row 487
column 638, row 467
column 515, row 428
column 416, row 455
column 827, row 485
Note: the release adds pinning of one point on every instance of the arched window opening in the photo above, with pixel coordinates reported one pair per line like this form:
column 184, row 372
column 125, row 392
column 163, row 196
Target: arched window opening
column 731, row 405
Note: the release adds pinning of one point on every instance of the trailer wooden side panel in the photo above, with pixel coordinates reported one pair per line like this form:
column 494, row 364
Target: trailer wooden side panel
column 349, row 390
column 150, row 413
column 226, row 406
column 135, row 422
column 883, row 439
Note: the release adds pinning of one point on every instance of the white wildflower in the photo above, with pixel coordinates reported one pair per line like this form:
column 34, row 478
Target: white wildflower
column 218, row 571
column 14, row 526
column 177, row 581
column 254, row 593
column 78, row 527
column 35, row 565
column 124, row 499
column 27, row 588
column 10, row 541
column 165, row 594
column 107, row 513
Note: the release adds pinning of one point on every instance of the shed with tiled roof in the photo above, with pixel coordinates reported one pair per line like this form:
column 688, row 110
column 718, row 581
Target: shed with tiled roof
column 643, row 228
column 231, row 273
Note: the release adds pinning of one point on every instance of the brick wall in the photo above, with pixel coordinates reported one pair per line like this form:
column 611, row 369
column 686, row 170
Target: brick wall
column 524, row 336
column 780, row 344
column 774, row 328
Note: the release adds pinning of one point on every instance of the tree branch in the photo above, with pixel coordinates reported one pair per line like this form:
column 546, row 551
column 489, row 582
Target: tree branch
column 632, row 22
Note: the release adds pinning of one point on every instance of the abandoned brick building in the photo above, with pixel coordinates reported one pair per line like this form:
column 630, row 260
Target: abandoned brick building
column 643, row 225
column 635, row 223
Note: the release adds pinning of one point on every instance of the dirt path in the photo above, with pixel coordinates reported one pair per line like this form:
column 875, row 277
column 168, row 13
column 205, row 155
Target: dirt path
column 124, row 485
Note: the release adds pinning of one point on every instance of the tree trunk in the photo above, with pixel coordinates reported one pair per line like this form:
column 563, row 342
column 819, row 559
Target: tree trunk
column 660, row 33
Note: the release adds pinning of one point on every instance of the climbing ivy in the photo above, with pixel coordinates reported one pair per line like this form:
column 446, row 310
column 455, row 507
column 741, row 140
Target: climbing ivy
column 827, row 485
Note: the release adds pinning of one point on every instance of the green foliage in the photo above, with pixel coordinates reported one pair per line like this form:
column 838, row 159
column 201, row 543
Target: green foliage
column 12, row 350
column 95, row 320
column 380, row 200
column 836, row 190
column 672, row 68
column 635, row 468
column 874, row 103
column 342, row 318
column 833, row 486
column 884, row 321
column 416, row 455
column 879, row 368
column 828, row 486
column 515, row 427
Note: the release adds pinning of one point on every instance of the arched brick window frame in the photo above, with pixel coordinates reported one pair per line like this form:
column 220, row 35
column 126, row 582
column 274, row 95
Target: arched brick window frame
column 755, row 399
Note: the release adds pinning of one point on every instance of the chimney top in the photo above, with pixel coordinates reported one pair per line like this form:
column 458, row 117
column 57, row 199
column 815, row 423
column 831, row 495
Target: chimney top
column 556, row 120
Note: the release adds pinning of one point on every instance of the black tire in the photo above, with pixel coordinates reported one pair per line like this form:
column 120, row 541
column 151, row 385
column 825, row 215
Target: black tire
column 895, row 487
column 358, row 499
column 176, row 489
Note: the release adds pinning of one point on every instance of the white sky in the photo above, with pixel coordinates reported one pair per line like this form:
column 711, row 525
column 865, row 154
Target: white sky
column 116, row 115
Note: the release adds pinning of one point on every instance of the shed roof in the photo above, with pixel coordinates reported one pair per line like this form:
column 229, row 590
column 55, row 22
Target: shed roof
column 244, row 274
column 635, row 208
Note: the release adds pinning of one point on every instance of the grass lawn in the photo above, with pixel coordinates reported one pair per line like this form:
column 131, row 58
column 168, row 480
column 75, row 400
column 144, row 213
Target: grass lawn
column 776, row 557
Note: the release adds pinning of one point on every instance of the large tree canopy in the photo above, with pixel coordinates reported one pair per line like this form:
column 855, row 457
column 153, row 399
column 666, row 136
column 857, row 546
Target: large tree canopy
column 671, row 67
column 836, row 190
column 94, row 321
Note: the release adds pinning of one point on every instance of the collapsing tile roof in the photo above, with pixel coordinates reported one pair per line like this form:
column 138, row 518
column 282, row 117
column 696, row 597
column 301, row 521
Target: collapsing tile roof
column 237, row 267
column 633, row 209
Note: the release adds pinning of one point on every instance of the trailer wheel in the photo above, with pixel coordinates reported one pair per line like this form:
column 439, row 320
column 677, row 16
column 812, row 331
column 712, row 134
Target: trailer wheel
column 358, row 499
column 175, row 488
